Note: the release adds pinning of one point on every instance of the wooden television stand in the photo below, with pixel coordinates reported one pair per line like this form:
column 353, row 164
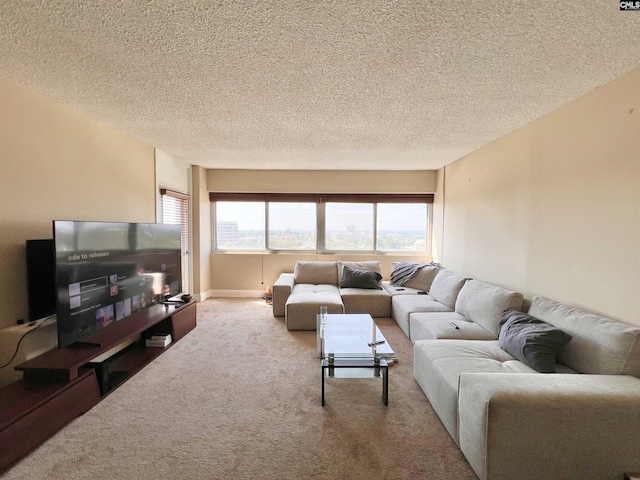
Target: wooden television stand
column 62, row 384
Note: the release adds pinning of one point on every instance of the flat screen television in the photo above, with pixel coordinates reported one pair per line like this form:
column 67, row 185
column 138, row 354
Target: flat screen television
column 107, row 271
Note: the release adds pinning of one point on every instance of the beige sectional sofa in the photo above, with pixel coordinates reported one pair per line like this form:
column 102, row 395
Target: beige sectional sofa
column 298, row 296
column 509, row 420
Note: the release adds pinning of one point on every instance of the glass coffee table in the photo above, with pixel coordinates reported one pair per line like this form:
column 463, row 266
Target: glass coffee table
column 352, row 346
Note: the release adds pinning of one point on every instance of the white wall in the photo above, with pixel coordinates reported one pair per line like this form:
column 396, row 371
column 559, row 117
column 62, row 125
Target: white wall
column 201, row 234
column 171, row 173
column 322, row 181
column 255, row 271
column 60, row 165
column 553, row 209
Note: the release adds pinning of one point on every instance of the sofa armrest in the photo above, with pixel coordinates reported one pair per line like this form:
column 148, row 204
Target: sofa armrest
column 281, row 291
column 532, row 426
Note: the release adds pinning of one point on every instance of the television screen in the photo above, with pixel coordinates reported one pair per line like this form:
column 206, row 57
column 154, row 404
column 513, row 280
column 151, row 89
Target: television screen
column 105, row 272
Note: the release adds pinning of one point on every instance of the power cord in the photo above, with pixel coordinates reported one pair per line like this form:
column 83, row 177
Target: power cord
column 23, row 337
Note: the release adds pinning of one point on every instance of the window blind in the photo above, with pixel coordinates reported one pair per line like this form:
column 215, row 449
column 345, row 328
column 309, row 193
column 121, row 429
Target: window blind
column 175, row 211
column 324, row 197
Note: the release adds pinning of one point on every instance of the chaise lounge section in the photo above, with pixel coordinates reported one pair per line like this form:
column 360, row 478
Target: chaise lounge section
column 298, row 296
column 512, row 421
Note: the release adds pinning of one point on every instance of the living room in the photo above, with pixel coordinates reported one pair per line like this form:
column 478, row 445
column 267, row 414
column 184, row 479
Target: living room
column 549, row 208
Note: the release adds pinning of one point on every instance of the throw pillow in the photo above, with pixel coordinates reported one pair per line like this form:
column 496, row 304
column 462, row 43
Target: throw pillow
column 530, row 340
column 354, row 278
column 368, row 265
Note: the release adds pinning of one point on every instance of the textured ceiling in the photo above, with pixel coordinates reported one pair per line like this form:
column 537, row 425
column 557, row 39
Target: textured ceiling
column 338, row 84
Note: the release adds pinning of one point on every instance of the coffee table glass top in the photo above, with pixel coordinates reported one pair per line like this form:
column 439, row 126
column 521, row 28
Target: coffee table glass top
column 349, row 335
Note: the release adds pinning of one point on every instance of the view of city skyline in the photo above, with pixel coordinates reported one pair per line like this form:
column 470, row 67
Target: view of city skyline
column 347, row 226
column 251, row 215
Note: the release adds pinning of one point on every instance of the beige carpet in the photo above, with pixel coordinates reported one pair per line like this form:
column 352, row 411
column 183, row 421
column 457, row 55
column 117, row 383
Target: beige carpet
column 239, row 398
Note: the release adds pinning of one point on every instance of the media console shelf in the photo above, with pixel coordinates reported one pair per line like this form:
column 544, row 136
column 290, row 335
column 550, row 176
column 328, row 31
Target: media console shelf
column 62, row 384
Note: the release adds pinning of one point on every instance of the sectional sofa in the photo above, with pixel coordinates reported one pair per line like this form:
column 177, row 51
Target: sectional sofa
column 508, row 419
column 297, row 297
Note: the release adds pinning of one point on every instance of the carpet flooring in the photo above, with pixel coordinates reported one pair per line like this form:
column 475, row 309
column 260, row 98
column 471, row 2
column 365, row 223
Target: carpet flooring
column 239, row 398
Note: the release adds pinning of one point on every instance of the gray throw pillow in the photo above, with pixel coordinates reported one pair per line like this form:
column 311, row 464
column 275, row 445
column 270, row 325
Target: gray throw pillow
column 530, row 340
column 353, row 278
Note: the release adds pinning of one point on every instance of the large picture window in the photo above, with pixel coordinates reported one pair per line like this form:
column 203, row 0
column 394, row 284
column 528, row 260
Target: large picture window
column 348, row 226
column 240, row 226
column 292, row 226
column 402, row 227
column 321, row 223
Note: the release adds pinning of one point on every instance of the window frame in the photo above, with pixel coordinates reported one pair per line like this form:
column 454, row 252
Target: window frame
column 321, row 200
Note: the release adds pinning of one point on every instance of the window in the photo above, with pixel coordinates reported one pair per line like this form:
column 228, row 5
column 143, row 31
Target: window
column 402, row 227
column 292, row 226
column 175, row 210
column 321, row 223
column 240, row 226
column 349, row 226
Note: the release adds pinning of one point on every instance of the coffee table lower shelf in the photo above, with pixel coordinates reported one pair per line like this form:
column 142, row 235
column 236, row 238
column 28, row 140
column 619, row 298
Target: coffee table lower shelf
column 382, row 367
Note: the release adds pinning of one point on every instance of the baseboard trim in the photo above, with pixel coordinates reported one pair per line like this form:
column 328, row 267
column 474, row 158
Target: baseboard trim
column 237, row 293
column 201, row 297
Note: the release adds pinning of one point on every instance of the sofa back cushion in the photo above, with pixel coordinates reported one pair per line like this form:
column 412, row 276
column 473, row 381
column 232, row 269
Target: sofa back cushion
column 446, row 286
column 316, row 273
column 422, row 280
column 373, row 266
column 484, row 303
column 599, row 345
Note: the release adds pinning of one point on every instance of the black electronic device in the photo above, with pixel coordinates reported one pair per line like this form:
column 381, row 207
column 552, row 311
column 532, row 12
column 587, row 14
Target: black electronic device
column 107, row 378
column 41, row 278
column 108, row 271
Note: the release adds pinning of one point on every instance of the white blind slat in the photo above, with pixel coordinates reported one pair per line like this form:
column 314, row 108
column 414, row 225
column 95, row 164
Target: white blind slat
column 175, row 211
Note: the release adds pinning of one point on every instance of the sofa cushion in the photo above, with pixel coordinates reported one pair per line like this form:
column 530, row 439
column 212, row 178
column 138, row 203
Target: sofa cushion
column 599, row 345
column 438, row 364
column 422, row 280
column 316, row 273
column 435, row 325
column 376, row 303
column 304, row 303
column 354, row 278
column 446, row 286
column 398, row 290
column 531, row 340
column 404, row 305
column 281, row 291
column 484, row 303
column 373, row 266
